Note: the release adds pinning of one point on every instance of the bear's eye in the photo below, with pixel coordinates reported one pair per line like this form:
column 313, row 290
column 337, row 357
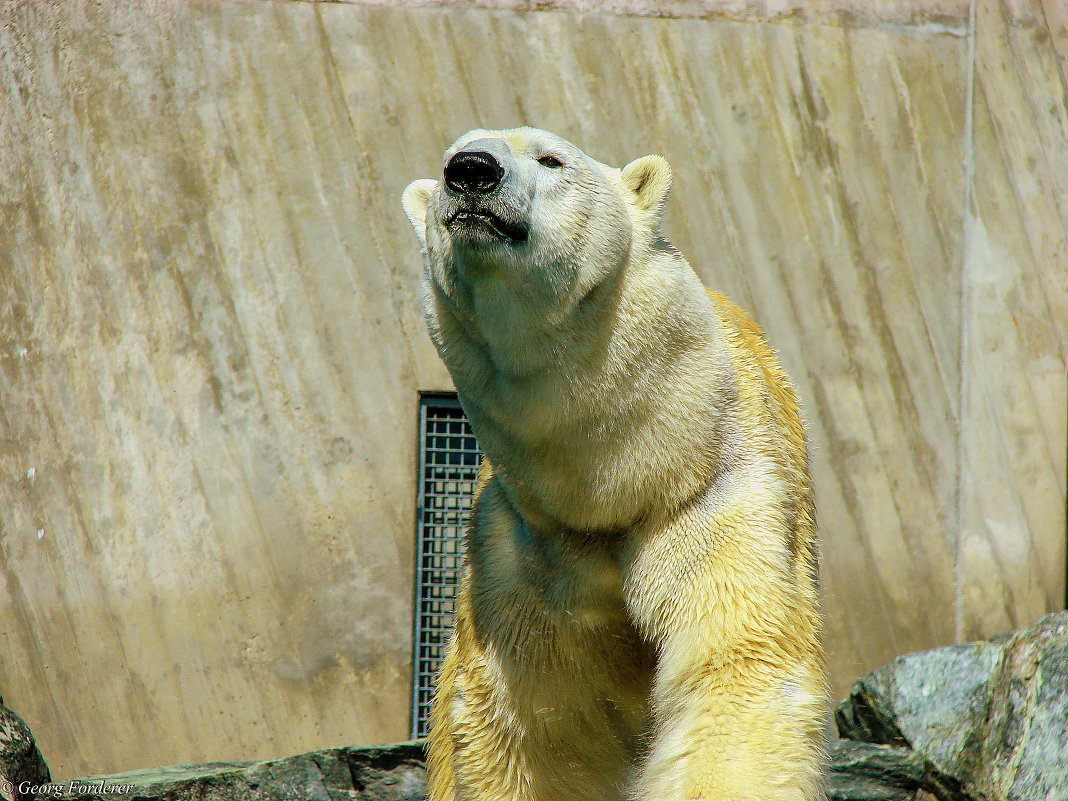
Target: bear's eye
column 550, row 161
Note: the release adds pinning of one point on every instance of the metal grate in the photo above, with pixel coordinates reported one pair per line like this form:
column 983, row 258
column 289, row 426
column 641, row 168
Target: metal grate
column 448, row 468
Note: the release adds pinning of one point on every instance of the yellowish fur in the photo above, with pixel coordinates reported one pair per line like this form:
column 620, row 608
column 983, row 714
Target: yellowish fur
column 638, row 618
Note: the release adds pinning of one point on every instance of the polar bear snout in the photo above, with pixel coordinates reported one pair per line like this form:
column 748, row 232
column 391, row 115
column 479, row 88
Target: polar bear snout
column 479, row 167
column 483, row 195
column 473, row 171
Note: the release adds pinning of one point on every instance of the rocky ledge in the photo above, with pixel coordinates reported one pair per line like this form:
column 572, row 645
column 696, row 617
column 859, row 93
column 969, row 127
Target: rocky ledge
column 985, row 721
column 382, row 773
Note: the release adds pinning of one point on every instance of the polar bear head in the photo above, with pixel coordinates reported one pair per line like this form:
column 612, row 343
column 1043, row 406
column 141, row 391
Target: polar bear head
column 558, row 309
column 527, row 209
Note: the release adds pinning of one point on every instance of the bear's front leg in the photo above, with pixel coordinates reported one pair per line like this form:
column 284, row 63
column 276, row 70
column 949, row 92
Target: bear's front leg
column 544, row 692
column 738, row 704
column 740, row 731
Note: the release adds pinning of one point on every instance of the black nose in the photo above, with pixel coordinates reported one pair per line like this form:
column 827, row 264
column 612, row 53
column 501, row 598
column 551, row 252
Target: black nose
column 473, row 171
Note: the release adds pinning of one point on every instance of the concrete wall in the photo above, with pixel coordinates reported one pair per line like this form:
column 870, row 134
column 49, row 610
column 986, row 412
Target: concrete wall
column 210, row 344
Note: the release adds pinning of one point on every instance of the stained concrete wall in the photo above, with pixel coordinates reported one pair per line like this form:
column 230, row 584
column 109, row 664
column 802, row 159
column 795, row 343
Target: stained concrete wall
column 211, row 349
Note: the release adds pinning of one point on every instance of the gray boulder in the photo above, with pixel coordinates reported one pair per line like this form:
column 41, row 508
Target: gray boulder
column 383, row 773
column 868, row 772
column 21, row 763
column 989, row 719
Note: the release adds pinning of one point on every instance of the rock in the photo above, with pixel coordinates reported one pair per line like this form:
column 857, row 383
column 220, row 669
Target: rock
column 382, row 773
column 21, row 762
column 389, row 772
column 933, row 702
column 989, row 719
column 867, row 772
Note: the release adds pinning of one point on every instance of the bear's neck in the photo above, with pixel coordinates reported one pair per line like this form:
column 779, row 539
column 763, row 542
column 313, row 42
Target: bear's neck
column 585, row 412
column 526, row 324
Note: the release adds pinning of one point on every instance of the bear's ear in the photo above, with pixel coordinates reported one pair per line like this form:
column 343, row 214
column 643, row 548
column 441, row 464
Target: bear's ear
column 414, row 201
column 649, row 178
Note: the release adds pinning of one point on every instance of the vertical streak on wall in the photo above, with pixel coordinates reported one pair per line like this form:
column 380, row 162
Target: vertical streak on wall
column 965, row 317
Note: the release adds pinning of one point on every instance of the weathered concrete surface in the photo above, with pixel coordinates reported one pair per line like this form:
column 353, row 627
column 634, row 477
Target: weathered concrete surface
column 1014, row 346
column 211, row 345
column 843, row 12
column 989, row 719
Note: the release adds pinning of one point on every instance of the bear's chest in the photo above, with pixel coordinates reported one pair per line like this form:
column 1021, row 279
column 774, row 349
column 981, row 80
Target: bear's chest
column 571, row 579
column 550, row 612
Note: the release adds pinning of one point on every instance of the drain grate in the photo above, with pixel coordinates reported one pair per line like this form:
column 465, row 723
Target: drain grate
column 448, row 469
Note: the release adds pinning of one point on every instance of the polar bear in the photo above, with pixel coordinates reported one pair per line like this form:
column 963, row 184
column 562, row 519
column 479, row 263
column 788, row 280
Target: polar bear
column 638, row 617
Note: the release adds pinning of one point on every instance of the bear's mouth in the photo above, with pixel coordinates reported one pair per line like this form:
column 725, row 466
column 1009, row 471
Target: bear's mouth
column 464, row 220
